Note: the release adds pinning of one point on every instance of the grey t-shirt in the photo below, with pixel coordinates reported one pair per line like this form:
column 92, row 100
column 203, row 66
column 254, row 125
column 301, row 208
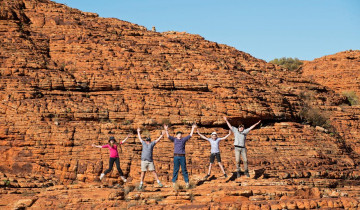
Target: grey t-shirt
column 214, row 145
column 147, row 151
column 240, row 137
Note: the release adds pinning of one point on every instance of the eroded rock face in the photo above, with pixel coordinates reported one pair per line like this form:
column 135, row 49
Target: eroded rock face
column 340, row 71
column 70, row 79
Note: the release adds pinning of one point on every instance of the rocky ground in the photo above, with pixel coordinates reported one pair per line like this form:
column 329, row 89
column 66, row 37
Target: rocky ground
column 70, row 78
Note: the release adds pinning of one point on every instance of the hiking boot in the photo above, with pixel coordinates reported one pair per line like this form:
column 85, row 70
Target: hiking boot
column 207, row 176
column 140, row 186
column 238, row 174
column 102, row 176
column 187, row 185
column 225, row 175
column 160, row 185
column 247, row 173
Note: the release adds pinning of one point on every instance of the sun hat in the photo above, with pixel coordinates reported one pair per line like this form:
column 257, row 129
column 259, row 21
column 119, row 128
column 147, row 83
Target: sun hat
column 214, row 133
column 112, row 139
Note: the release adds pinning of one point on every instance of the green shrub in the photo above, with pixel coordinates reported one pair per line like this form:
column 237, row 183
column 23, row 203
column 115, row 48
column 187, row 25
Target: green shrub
column 351, row 97
column 314, row 117
column 289, row 63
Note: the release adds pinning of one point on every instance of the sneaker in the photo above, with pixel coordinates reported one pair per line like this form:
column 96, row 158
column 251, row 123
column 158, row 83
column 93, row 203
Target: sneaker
column 140, row 186
column 124, row 180
column 207, row 176
column 187, row 185
column 102, row 176
column 225, row 175
column 160, row 185
column 247, row 173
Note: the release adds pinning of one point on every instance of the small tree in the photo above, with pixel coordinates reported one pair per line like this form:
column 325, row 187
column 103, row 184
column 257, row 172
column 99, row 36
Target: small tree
column 289, row 63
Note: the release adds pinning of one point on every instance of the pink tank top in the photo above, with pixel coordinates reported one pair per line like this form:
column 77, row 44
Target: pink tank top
column 113, row 150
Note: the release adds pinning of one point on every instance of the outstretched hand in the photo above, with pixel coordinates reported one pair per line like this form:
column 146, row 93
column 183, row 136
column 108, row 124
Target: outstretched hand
column 93, row 145
column 138, row 129
column 194, row 126
column 225, row 118
column 166, row 127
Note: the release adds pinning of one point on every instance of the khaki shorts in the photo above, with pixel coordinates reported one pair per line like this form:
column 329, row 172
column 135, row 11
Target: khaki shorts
column 147, row 166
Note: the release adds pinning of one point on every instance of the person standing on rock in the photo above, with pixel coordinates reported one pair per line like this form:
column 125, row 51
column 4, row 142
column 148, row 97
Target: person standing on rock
column 147, row 162
column 215, row 152
column 239, row 143
column 179, row 154
column 114, row 156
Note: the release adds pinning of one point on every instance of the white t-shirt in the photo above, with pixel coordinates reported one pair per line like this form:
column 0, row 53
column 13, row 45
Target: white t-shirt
column 214, row 145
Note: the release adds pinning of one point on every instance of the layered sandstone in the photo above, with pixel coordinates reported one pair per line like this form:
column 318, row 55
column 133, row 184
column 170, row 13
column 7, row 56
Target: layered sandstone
column 70, row 79
column 339, row 71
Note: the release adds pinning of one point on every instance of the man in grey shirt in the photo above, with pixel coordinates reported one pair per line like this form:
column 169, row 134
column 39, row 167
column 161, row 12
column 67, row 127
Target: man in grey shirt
column 147, row 162
column 239, row 143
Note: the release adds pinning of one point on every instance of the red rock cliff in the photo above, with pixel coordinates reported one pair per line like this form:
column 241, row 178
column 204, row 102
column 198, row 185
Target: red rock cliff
column 70, row 79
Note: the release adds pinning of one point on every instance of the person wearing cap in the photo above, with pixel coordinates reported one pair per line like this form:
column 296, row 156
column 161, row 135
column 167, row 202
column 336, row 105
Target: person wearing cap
column 239, row 143
column 147, row 162
column 215, row 152
column 179, row 154
column 114, row 156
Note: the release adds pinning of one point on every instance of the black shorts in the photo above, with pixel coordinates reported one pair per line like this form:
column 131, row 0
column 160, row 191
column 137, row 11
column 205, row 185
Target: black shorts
column 212, row 157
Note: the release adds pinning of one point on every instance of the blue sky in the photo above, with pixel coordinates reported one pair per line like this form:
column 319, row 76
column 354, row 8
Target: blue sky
column 305, row 29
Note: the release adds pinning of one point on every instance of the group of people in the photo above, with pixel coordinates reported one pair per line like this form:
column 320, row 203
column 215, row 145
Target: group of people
column 147, row 162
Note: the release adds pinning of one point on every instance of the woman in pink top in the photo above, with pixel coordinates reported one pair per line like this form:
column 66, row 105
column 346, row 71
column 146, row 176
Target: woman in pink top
column 114, row 156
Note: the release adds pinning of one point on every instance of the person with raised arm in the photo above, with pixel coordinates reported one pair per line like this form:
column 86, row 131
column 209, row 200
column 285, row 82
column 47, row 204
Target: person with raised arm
column 147, row 162
column 215, row 151
column 179, row 154
column 240, row 147
column 114, row 156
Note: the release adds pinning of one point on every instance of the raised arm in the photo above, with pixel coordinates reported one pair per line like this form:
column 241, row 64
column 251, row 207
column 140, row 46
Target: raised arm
column 125, row 138
column 226, row 135
column 139, row 136
column 166, row 130
column 192, row 129
column 97, row 146
column 202, row 136
column 162, row 134
column 227, row 122
column 253, row 126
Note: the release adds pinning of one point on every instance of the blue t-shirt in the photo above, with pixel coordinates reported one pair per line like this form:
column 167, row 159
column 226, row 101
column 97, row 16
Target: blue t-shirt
column 179, row 144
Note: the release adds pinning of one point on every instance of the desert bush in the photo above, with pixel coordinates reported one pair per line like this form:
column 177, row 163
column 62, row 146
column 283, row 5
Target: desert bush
column 351, row 97
column 314, row 117
column 289, row 63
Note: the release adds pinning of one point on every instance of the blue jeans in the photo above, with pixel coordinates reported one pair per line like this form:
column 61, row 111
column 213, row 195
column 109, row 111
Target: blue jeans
column 180, row 161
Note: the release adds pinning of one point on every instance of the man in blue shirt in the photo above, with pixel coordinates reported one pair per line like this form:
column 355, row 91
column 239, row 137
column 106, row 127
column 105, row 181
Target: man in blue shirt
column 179, row 154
